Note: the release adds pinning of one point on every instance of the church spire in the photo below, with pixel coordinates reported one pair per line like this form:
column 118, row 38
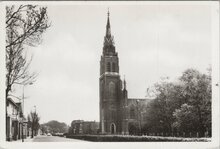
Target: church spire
column 108, row 40
column 108, row 28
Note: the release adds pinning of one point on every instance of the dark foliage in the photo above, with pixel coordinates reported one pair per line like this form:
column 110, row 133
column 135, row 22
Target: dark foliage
column 181, row 107
column 54, row 127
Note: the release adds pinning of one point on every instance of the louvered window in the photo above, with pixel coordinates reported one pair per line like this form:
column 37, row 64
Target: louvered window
column 108, row 67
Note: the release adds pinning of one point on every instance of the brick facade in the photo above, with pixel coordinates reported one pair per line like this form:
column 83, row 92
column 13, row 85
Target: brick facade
column 116, row 113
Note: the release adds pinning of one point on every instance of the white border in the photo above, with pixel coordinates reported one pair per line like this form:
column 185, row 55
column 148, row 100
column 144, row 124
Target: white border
column 215, row 79
column 2, row 74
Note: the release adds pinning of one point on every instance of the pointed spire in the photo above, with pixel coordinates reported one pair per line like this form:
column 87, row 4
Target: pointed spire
column 108, row 30
column 108, row 39
column 108, row 12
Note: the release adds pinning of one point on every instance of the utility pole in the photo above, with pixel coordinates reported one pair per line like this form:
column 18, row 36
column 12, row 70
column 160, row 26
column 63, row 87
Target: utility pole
column 22, row 132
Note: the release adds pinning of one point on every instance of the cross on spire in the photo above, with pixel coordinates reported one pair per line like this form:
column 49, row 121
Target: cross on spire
column 108, row 12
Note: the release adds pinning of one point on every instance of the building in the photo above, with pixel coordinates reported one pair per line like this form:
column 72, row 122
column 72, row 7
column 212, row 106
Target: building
column 118, row 113
column 76, row 127
column 90, row 127
column 14, row 121
column 84, row 127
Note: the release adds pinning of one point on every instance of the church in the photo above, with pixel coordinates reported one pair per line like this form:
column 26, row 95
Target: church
column 118, row 113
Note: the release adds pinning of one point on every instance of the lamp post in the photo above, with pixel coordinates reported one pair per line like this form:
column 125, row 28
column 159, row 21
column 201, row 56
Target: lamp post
column 22, row 132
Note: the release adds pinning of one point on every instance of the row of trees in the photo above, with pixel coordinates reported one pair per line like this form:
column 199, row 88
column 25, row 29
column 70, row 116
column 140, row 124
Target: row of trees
column 54, row 127
column 33, row 123
column 183, row 106
column 25, row 25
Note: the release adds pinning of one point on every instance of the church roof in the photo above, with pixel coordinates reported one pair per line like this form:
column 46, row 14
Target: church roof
column 138, row 100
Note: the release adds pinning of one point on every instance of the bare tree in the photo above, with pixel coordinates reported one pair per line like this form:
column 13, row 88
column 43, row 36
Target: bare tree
column 24, row 27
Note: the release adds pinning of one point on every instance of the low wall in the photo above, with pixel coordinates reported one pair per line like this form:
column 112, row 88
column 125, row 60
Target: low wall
column 127, row 138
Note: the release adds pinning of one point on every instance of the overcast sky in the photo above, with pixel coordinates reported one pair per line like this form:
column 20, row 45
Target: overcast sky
column 151, row 40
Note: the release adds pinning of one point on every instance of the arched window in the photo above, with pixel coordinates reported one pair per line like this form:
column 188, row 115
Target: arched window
column 112, row 91
column 113, row 128
column 108, row 67
column 113, row 67
column 132, row 113
column 112, row 115
column 102, row 90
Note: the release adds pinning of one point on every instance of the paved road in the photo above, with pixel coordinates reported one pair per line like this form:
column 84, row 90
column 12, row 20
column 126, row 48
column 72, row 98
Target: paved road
column 53, row 139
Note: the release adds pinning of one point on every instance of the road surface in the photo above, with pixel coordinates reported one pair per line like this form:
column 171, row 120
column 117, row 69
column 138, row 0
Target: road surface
column 52, row 139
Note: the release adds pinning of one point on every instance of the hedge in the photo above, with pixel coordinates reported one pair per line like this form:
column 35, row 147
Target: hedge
column 127, row 138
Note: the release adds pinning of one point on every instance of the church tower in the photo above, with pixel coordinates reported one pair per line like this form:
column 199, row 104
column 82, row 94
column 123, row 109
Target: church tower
column 118, row 113
column 110, row 86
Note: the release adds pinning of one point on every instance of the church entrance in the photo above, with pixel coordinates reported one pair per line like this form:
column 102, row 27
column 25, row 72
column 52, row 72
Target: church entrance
column 113, row 128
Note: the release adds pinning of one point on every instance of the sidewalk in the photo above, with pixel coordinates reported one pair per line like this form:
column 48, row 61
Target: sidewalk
column 28, row 139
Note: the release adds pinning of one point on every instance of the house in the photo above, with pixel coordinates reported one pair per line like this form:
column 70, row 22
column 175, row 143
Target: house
column 14, row 121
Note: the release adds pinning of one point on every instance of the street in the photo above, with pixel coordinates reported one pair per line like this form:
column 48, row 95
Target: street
column 42, row 138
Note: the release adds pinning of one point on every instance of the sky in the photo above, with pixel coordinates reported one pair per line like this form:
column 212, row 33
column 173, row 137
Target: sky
column 152, row 41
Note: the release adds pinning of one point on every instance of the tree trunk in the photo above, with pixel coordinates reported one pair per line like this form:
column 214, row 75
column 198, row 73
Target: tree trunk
column 201, row 126
column 6, row 94
column 32, row 130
